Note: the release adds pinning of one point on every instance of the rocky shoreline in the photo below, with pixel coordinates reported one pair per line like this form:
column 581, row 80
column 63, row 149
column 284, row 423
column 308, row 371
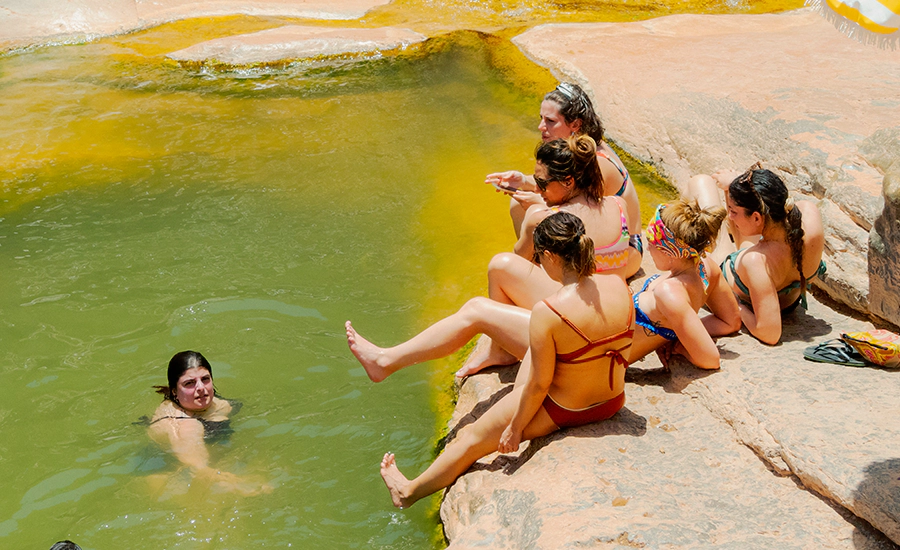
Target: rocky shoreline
column 771, row 450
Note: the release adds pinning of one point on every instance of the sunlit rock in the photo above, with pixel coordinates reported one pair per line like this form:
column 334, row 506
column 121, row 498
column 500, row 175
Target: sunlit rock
column 296, row 42
column 695, row 93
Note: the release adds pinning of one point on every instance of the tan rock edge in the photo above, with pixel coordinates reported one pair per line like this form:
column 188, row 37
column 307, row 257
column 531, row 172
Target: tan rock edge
column 296, row 42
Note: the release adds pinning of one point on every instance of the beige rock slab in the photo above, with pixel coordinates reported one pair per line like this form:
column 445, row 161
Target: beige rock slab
column 663, row 473
column 27, row 22
column 694, row 93
column 296, row 42
column 836, row 428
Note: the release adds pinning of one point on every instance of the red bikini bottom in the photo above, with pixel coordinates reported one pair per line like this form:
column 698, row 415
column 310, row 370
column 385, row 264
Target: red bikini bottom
column 564, row 417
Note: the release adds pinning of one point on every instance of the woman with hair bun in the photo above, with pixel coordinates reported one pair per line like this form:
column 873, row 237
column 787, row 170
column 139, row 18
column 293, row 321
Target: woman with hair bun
column 666, row 307
column 565, row 112
column 573, row 372
column 775, row 247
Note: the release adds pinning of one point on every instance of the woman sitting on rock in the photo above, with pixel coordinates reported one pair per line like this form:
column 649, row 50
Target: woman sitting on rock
column 567, row 111
column 572, row 374
column 768, row 274
column 666, row 306
column 191, row 413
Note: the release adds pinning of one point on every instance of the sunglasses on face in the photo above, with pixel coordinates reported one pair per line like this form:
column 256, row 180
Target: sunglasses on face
column 542, row 183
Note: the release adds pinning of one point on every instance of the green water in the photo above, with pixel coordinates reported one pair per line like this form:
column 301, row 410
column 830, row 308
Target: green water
column 147, row 209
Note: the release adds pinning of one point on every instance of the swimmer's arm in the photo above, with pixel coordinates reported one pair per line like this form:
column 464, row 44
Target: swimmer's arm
column 726, row 314
column 525, row 245
column 764, row 320
column 540, row 364
column 674, row 304
column 184, row 436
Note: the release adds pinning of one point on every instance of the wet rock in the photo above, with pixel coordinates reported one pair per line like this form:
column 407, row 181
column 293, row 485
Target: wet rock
column 27, row 22
column 296, row 42
column 694, row 93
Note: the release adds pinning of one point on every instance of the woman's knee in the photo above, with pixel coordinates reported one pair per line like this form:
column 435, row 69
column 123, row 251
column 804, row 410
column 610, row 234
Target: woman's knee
column 502, row 264
column 475, row 310
column 703, row 188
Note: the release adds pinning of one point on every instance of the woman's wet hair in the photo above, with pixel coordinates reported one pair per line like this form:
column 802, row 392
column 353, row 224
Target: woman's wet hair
column 697, row 227
column 179, row 364
column 574, row 157
column 574, row 105
column 760, row 190
column 563, row 234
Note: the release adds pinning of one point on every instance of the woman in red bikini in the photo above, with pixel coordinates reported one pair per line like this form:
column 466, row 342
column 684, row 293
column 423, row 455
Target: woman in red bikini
column 566, row 174
column 573, row 372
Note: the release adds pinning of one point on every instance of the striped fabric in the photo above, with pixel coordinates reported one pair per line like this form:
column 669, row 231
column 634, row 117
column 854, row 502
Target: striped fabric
column 870, row 21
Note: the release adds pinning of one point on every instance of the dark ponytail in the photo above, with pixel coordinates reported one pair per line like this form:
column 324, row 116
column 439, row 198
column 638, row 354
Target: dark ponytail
column 759, row 190
column 563, row 234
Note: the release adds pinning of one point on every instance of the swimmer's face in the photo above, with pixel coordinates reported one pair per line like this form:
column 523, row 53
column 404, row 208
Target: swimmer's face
column 553, row 125
column 194, row 391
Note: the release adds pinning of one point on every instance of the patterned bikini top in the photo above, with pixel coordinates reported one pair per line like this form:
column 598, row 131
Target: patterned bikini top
column 615, row 254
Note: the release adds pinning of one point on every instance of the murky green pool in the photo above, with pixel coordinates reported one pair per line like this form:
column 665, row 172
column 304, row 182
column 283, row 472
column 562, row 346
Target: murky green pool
column 147, row 209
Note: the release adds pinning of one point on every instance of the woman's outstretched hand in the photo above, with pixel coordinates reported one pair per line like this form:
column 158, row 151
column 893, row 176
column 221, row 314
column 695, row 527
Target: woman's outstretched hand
column 509, row 440
column 506, row 182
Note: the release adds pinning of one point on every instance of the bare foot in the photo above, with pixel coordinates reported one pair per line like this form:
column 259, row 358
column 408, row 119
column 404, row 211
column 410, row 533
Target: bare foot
column 396, row 482
column 487, row 353
column 367, row 354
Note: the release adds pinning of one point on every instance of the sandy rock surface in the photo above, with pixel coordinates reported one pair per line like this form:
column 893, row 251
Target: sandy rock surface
column 26, row 22
column 695, row 93
column 675, row 469
column 296, row 42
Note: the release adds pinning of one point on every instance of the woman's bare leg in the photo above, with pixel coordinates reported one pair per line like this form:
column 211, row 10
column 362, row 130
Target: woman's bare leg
column 505, row 324
column 703, row 188
column 487, row 353
column 517, row 216
column 475, row 441
column 514, row 280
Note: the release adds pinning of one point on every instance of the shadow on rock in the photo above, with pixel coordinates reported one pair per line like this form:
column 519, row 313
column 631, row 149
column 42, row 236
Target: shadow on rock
column 800, row 326
column 681, row 374
column 479, row 409
column 878, row 499
column 624, row 422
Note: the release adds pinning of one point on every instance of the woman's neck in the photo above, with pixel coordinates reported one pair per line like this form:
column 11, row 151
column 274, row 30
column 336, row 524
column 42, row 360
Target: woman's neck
column 773, row 232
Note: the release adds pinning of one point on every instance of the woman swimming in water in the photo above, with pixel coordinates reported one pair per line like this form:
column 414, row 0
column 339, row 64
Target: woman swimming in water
column 666, row 306
column 568, row 111
column 573, row 372
column 768, row 274
column 190, row 413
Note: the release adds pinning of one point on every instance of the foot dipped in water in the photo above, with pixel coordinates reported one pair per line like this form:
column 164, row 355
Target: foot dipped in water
column 486, row 354
column 368, row 354
column 396, row 482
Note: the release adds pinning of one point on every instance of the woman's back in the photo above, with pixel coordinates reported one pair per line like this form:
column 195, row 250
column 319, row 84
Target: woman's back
column 601, row 311
column 606, row 223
